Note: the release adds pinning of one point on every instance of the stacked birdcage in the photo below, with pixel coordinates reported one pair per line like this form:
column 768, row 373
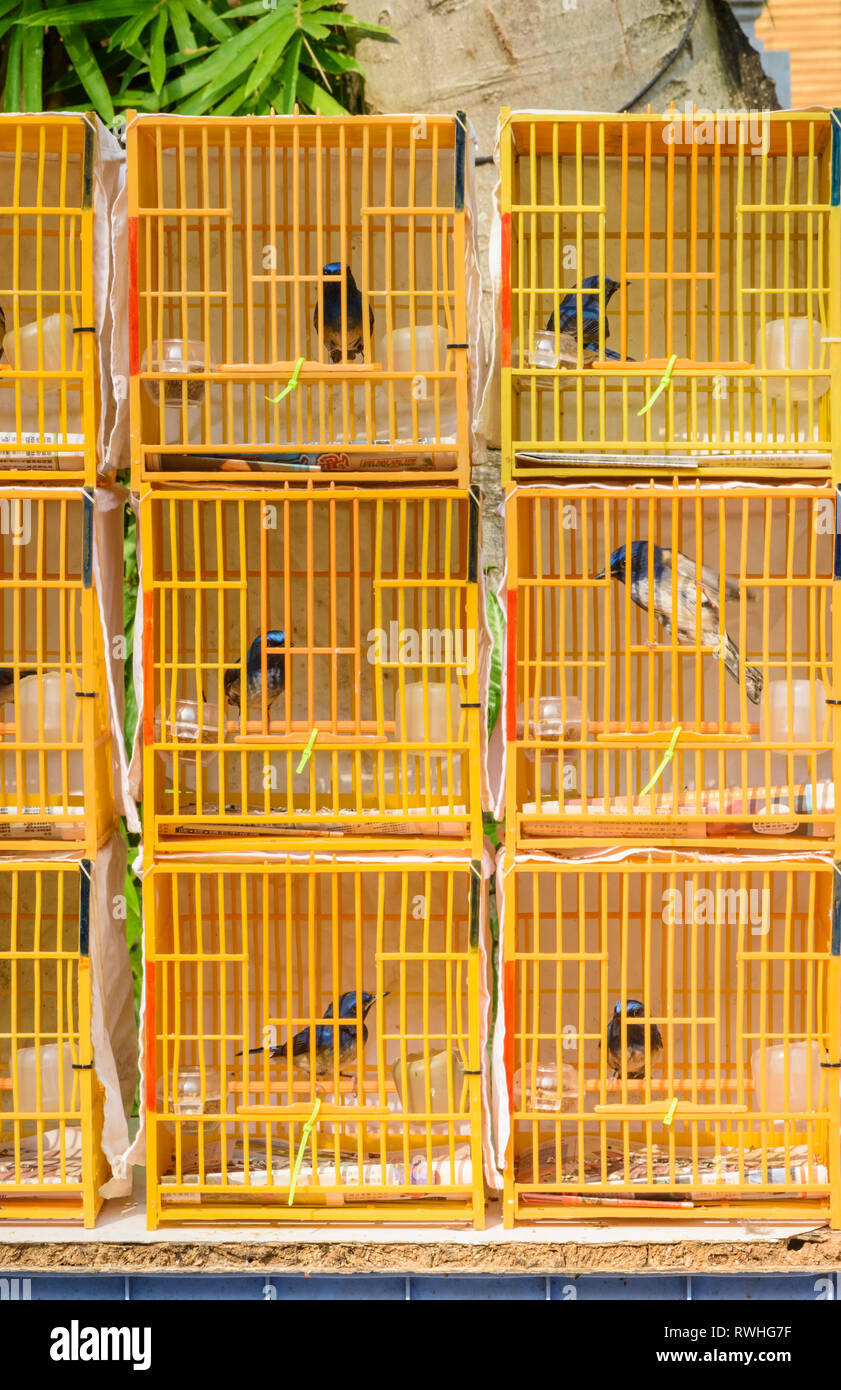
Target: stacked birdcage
column 671, row 396
column 303, row 372
column 60, row 536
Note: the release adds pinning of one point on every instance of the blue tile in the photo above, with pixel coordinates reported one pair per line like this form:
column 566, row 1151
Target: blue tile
column 188, row 1288
column 613, row 1288
column 479, row 1288
column 104, row 1288
column 742, row 1288
column 321, row 1288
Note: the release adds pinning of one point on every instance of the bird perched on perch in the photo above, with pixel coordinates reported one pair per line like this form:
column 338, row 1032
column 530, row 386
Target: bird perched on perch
column 332, row 334
column 593, row 307
column 7, row 682
column 330, row 1039
column 275, row 672
column 690, row 589
column 633, row 1065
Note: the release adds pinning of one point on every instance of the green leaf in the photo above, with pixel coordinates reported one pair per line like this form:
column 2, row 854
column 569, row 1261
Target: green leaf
column 97, row 11
column 182, row 28
column 157, row 51
column 127, row 34
column 360, row 26
column 285, row 94
column 208, row 19
column 7, row 24
column 33, row 63
column 229, row 62
column 12, row 93
column 331, row 61
column 265, row 65
column 82, row 57
column 317, row 98
column 496, row 623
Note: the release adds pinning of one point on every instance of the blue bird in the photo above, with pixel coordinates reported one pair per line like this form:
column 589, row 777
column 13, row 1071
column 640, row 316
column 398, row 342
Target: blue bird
column 593, row 307
column 323, row 1045
column 275, row 672
column 634, row 1060
column 7, row 682
column 333, row 314
column 689, row 588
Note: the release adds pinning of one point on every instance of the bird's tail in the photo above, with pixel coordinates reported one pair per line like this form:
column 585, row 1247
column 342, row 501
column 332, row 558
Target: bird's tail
column 753, row 677
column 616, row 356
column 274, row 1052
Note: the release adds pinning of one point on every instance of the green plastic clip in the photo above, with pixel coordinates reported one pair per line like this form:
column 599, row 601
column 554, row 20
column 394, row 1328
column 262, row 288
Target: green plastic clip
column 666, row 759
column 291, row 384
column 299, row 1157
column 665, row 380
column 307, row 753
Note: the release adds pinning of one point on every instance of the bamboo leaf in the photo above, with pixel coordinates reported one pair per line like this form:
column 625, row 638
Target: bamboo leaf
column 331, row 61
column 230, row 60
column 266, row 64
column 7, row 24
column 208, row 19
column 317, row 98
column 127, row 34
column 11, row 94
column 33, row 63
column 92, row 13
column 182, row 28
column 157, row 51
column 338, row 19
column 285, row 93
column 82, row 57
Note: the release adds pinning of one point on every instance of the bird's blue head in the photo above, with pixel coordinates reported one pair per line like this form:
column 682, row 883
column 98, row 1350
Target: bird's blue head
column 617, row 565
column 274, row 639
column 333, row 268
column 348, row 1005
column 634, row 1010
column 618, row 561
column 592, row 282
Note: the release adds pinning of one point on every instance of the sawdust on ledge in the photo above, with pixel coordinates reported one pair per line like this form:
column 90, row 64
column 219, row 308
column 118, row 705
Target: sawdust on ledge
column 814, row 1252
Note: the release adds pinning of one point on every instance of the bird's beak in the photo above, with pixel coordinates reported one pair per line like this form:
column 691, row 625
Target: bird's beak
column 599, row 576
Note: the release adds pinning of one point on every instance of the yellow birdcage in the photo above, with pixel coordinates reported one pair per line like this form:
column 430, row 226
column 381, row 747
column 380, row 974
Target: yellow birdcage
column 382, row 1111
column 353, row 612
column 55, row 740
column 298, row 296
column 48, row 379
column 670, row 663
column 51, row 1160
column 671, row 292
column 671, row 1025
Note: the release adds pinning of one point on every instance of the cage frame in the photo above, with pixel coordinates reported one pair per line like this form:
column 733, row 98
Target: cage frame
column 193, row 1206
column 305, row 131
column 50, row 132
column 62, row 1201
column 96, row 816
column 570, row 829
column 620, row 130
column 779, row 1206
column 382, row 828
